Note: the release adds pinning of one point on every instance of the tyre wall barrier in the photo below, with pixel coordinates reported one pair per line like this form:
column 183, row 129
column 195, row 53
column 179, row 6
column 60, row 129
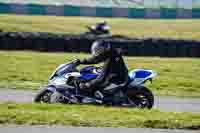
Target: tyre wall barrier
column 76, row 43
column 71, row 10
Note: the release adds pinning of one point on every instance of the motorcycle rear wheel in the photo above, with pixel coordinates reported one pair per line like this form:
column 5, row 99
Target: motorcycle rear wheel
column 141, row 96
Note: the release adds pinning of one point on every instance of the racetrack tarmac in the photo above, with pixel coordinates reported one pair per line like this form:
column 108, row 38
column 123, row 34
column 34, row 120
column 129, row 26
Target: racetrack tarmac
column 161, row 103
column 57, row 129
column 168, row 104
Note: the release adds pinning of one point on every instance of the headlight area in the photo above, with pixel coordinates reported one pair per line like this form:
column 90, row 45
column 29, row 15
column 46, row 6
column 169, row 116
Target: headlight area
column 59, row 81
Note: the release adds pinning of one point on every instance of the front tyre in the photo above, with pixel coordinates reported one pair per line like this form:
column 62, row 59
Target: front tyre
column 141, row 96
column 43, row 96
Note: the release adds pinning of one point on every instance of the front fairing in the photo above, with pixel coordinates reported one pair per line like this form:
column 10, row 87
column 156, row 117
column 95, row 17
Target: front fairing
column 62, row 69
column 58, row 81
column 62, row 80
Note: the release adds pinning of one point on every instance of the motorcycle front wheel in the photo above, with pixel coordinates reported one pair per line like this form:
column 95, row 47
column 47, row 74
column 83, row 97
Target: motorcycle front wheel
column 43, row 96
column 141, row 96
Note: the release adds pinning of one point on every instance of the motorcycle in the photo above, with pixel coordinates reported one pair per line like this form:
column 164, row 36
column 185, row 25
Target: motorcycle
column 63, row 87
column 92, row 31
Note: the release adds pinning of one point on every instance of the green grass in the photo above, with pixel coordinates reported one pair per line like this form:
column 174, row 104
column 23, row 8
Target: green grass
column 29, row 70
column 91, row 116
column 174, row 28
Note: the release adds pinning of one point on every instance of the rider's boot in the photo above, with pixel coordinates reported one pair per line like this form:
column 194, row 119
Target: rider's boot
column 99, row 95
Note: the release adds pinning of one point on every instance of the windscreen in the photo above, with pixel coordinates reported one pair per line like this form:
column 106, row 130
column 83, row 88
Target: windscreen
column 65, row 69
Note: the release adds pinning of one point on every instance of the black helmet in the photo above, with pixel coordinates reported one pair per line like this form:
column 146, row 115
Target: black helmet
column 99, row 47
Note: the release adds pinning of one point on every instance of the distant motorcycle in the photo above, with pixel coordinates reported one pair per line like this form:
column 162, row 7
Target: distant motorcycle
column 98, row 30
column 63, row 87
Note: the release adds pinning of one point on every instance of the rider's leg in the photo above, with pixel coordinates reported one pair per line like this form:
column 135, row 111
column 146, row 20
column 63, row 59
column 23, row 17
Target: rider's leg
column 93, row 85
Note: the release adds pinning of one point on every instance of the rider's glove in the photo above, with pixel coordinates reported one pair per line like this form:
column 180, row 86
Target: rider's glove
column 77, row 62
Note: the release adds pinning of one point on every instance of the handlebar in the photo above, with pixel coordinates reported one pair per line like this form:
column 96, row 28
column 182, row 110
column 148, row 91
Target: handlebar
column 76, row 62
column 95, row 69
column 91, row 29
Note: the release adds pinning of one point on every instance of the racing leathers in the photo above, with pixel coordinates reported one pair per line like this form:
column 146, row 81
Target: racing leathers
column 114, row 70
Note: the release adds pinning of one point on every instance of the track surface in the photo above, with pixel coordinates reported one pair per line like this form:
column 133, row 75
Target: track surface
column 43, row 129
column 162, row 103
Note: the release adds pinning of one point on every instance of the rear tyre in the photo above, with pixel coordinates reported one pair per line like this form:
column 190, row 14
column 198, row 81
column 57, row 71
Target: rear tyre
column 43, row 96
column 141, row 96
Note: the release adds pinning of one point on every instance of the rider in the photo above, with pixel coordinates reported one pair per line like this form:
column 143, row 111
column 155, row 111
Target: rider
column 114, row 68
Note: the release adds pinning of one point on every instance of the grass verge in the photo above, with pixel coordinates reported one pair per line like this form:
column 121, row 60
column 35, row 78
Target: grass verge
column 91, row 116
column 29, row 70
column 173, row 28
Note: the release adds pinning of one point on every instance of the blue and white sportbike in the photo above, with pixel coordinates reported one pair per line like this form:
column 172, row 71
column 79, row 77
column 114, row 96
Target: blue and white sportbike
column 63, row 87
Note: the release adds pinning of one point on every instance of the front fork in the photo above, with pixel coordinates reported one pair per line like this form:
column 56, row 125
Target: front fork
column 51, row 88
